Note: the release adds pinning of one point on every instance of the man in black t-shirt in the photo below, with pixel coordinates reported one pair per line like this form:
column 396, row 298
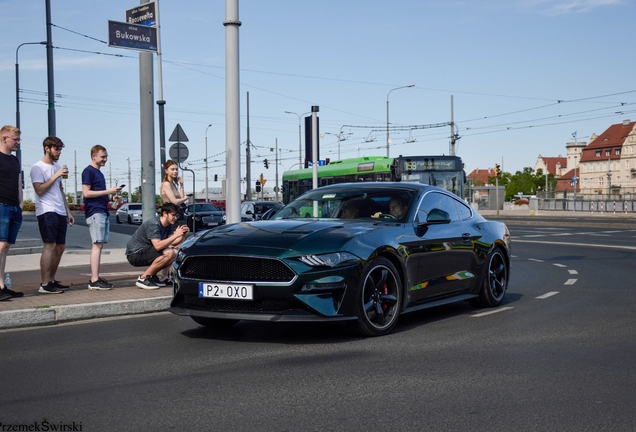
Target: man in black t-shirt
column 10, row 201
column 153, row 245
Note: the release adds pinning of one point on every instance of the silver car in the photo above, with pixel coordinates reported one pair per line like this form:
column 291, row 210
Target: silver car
column 130, row 213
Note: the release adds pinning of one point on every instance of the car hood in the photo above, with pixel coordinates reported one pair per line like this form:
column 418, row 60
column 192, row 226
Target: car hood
column 288, row 237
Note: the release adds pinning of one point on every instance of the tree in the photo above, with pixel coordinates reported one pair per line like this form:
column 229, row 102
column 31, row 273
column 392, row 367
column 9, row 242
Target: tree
column 528, row 183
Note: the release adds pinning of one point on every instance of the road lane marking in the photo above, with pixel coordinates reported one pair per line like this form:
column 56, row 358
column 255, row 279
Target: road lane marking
column 546, row 295
column 501, row 309
column 633, row 248
column 536, row 260
column 570, row 282
column 559, row 265
column 573, row 272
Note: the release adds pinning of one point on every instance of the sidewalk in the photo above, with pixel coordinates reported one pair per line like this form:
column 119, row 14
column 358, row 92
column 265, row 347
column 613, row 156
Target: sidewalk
column 78, row 302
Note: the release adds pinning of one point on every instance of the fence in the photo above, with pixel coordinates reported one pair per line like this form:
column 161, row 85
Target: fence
column 600, row 205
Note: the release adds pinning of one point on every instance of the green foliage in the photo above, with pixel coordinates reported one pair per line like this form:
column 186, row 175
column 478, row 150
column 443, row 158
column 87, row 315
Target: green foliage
column 527, row 183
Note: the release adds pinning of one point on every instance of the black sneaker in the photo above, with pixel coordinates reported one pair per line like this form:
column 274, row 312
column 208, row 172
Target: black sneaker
column 157, row 281
column 58, row 285
column 50, row 288
column 11, row 293
column 4, row 296
column 146, row 283
column 105, row 282
column 98, row 285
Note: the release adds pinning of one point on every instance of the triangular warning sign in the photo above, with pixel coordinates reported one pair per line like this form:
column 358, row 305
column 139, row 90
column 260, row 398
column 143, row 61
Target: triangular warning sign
column 178, row 135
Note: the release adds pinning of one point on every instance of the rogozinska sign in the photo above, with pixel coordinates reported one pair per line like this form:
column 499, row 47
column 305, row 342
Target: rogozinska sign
column 130, row 36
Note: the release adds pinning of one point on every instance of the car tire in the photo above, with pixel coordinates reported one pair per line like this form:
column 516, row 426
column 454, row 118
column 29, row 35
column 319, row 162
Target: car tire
column 117, row 219
column 378, row 299
column 214, row 323
column 495, row 281
column 130, row 220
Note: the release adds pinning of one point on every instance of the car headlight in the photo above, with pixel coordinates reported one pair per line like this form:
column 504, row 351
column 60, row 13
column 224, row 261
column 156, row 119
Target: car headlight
column 197, row 218
column 329, row 260
column 136, row 214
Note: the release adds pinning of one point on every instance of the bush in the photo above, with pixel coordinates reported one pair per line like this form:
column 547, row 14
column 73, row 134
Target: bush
column 521, row 202
column 28, row 206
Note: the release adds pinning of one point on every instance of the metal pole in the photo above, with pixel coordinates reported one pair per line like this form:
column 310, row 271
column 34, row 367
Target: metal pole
column 387, row 115
column 276, row 188
column 207, row 199
column 49, row 71
column 300, row 146
column 160, row 101
column 232, row 112
column 18, row 153
column 248, row 157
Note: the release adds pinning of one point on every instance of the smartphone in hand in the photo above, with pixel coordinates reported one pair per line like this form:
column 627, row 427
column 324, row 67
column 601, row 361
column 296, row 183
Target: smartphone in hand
column 121, row 186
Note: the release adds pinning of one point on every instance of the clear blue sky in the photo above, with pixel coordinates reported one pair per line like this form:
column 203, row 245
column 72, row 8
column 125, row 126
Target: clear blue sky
column 525, row 75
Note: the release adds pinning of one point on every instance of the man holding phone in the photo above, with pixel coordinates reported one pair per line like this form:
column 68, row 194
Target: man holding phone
column 96, row 211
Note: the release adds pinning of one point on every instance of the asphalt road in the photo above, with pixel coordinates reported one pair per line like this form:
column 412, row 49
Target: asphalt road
column 556, row 356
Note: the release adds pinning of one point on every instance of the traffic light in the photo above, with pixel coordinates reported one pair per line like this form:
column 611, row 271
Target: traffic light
column 497, row 170
column 266, row 164
column 216, row 177
column 258, row 186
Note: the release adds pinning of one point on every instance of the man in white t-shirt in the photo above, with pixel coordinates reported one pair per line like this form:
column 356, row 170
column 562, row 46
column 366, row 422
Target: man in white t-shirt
column 52, row 211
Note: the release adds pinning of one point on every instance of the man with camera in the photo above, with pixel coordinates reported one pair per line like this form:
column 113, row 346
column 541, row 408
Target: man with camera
column 154, row 244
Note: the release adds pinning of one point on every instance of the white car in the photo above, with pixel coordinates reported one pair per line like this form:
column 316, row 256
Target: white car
column 130, row 213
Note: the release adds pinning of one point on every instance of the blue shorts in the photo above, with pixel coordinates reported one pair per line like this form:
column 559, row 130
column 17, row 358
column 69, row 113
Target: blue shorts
column 52, row 227
column 10, row 222
column 99, row 227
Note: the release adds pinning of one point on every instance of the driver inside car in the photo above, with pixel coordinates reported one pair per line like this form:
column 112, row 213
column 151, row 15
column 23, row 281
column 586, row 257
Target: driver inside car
column 397, row 208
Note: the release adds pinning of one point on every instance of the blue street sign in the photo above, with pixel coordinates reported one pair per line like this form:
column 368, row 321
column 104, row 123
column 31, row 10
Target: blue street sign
column 137, row 37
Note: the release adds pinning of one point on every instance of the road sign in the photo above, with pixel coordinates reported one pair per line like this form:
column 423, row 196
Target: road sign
column 179, row 152
column 142, row 15
column 178, row 135
column 136, row 37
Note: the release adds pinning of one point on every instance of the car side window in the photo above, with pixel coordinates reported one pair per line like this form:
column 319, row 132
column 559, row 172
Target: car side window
column 464, row 211
column 435, row 200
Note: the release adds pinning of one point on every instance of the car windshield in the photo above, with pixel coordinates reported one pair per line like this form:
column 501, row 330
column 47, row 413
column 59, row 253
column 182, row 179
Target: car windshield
column 348, row 204
column 202, row 208
column 134, row 206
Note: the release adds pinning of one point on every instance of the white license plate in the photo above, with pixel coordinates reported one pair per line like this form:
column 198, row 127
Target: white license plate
column 212, row 224
column 226, row 291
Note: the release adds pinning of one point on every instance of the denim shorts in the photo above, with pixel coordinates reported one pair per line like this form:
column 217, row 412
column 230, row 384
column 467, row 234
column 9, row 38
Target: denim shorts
column 52, row 227
column 99, row 226
column 10, row 222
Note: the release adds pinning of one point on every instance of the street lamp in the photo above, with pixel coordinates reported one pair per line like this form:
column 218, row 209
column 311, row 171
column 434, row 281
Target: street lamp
column 387, row 115
column 206, row 163
column 300, row 147
column 17, row 91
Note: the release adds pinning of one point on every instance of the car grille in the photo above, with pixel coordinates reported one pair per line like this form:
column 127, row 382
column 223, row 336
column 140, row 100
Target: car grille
column 242, row 306
column 236, row 268
column 212, row 219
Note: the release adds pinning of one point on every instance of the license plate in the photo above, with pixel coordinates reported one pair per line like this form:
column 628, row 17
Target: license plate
column 226, row 291
column 211, row 223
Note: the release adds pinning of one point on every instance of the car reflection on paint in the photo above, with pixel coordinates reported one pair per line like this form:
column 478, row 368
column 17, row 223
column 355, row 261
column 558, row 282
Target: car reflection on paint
column 310, row 263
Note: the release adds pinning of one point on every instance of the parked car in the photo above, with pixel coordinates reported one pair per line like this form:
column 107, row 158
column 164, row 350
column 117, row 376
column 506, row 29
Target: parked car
column 204, row 215
column 254, row 210
column 311, row 263
column 130, row 213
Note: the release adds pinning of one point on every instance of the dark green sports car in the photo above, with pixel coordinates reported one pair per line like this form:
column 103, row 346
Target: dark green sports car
column 362, row 253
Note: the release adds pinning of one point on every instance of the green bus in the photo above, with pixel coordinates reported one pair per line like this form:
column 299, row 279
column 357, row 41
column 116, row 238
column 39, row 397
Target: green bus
column 444, row 171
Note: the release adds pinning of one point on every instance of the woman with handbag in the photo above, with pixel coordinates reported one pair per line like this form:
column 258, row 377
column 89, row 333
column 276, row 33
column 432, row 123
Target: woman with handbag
column 172, row 189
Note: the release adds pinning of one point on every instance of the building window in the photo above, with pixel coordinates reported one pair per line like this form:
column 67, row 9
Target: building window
column 598, row 153
column 598, row 166
column 600, row 181
column 617, row 152
column 618, row 180
column 627, row 165
column 607, row 152
column 626, row 180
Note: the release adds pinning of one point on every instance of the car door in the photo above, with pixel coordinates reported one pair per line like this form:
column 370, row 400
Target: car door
column 445, row 255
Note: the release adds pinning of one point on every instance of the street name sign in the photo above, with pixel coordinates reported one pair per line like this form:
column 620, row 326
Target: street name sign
column 142, row 15
column 130, row 36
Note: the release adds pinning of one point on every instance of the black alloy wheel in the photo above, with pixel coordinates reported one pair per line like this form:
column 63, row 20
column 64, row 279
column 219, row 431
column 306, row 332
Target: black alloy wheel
column 378, row 299
column 495, row 280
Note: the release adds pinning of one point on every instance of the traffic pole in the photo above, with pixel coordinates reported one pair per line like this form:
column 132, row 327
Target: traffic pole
column 591, row 207
column 614, row 208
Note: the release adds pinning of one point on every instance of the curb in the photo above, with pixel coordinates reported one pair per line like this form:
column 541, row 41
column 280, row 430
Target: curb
column 77, row 312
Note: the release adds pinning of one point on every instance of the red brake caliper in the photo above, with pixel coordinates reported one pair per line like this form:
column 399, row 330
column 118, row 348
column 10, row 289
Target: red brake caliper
column 386, row 292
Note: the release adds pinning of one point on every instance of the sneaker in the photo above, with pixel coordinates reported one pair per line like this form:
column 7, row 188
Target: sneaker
column 4, row 296
column 58, row 285
column 10, row 292
column 146, row 283
column 98, row 285
column 158, row 282
column 50, row 288
column 105, row 282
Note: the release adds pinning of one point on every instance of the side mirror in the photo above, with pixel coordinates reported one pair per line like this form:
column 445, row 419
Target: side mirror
column 438, row 216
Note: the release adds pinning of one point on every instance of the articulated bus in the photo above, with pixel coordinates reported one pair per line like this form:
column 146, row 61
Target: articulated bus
column 444, row 171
